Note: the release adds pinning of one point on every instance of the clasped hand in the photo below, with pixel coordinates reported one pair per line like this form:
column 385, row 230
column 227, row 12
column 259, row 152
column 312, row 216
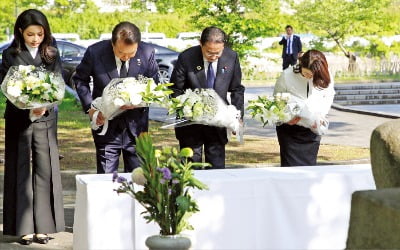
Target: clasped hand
column 295, row 120
column 39, row 111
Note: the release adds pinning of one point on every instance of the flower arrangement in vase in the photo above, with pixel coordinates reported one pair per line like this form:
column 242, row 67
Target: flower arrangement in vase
column 167, row 177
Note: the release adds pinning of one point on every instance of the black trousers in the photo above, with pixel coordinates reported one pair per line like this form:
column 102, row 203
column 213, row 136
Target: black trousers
column 289, row 60
column 213, row 140
column 32, row 189
column 298, row 145
column 109, row 147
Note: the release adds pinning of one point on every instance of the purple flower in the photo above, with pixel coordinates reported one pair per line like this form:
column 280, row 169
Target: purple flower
column 169, row 191
column 114, row 176
column 175, row 181
column 166, row 173
column 121, row 179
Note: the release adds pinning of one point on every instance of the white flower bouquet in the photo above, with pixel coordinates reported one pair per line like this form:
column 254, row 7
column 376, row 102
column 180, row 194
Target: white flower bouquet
column 139, row 92
column 30, row 87
column 204, row 106
column 283, row 107
column 273, row 110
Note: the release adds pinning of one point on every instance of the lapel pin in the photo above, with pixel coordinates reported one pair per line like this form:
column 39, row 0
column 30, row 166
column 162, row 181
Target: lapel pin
column 224, row 69
column 198, row 67
column 139, row 62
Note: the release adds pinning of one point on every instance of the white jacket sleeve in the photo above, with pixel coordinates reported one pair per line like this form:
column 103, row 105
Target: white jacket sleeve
column 280, row 85
column 314, row 113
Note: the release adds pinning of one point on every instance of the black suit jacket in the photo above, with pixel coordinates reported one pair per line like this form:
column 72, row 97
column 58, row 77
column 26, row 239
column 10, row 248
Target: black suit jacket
column 296, row 46
column 12, row 58
column 189, row 73
column 99, row 63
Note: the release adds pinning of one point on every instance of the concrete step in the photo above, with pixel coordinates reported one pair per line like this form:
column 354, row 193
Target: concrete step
column 367, row 97
column 394, row 85
column 367, row 91
column 367, row 102
column 367, row 94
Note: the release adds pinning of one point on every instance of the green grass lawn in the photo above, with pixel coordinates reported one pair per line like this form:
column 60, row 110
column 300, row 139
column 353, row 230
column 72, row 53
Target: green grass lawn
column 76, row 143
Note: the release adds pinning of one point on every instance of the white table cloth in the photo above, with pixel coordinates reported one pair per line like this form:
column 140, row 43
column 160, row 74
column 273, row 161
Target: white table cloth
column 254, row 208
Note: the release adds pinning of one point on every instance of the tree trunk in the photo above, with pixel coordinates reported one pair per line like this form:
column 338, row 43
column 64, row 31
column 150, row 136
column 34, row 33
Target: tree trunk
column 352, row 57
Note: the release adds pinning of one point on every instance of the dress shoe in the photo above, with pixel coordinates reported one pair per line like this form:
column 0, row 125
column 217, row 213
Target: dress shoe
column 26, row 239
column 42, row 238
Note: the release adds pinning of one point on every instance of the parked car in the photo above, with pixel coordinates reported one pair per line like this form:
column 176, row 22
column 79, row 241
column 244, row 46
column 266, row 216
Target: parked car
column 166, row 59
column 71, row 55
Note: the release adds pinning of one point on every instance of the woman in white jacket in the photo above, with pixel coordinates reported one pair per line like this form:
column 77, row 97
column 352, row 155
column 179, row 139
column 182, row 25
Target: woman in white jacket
column 311, row 86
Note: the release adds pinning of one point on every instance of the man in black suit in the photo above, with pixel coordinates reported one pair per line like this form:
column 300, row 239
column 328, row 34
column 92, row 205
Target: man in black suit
column 291, row 47
column 122, row 56
column 190, row 72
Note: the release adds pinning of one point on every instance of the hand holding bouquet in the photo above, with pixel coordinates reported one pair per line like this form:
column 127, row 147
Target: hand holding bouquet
column 128, row 91
column 30, row 87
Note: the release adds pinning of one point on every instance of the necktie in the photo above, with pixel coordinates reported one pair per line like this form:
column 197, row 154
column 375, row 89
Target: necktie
column 123, row 72
column 210, row 76
column 289, row 46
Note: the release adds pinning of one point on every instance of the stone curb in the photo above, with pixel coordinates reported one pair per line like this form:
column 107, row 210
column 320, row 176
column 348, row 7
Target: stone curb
column 364, row 112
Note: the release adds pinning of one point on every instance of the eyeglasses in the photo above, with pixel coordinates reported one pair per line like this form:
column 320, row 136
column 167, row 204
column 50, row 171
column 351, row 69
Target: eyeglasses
column 218, row 54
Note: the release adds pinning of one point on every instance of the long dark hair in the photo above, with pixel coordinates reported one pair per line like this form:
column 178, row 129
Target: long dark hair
column 315, row 61
column 34, row 17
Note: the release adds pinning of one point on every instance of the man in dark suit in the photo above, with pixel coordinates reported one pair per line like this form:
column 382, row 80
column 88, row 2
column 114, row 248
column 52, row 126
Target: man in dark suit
column 291, row 47
column 122, row 56
column 209, row 65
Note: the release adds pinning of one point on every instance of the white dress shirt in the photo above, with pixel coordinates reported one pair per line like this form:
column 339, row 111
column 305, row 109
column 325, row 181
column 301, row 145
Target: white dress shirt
column 32, row 51
column 119, row 63
column 214, row 65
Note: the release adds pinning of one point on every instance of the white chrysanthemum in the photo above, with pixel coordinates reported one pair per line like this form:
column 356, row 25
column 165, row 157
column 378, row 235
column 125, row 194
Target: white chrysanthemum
column 187, row 111
column 14, row 91
column 25, row 69
column 46, row 86
column 32, row 82
column 60, row 94
column 24, row 99
column 46, row 96
column 119, row 102
column 136, row 99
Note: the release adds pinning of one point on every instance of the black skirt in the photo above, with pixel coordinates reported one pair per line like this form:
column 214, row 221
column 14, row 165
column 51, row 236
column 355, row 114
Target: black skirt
column 298, row 145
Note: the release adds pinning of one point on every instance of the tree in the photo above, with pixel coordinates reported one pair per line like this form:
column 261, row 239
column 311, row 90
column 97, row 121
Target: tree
column 337, row 19
column 10, row 9
column 65, row 7
column 242, row 20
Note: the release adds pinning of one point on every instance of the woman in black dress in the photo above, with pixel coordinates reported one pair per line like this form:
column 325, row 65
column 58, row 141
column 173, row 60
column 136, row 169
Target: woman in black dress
column 32, row 205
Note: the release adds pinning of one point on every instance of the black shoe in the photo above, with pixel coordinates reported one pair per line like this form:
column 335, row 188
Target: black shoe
column 42, row 239
column 26, row 239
